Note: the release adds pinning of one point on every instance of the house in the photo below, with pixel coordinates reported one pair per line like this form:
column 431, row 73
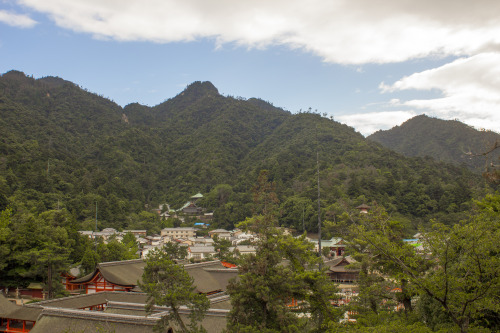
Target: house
column 221, row 233
column 244, row 249
column 154, row 240
column 209, row 277
column 240, row 236
column 202, row 241
column 107, row 233
column 176, row 233
column 136, row 233
column 201, row 252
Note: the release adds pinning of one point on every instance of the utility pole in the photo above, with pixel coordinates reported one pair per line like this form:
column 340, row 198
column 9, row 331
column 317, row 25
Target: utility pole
column 303, row 224
column 320, row 317
column 319, row 212
column 95, row 232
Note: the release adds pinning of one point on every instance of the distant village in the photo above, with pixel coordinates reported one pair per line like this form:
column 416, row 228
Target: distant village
column 110, row 295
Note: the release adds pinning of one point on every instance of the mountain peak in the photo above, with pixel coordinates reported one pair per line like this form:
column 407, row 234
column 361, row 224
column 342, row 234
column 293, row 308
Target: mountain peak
column 199, row 89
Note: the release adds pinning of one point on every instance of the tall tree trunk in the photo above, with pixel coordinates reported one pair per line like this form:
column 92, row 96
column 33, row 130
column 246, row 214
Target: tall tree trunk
column 49, row 280
column 406, row 297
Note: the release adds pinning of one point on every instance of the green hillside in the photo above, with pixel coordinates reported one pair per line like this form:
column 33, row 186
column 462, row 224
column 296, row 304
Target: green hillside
column 62, row 146
column 444, row 140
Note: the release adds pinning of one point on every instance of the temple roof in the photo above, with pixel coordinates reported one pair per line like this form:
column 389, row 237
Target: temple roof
column 6, row 306
column 128, row 272
column 123, row 317
column 88, row 300
column 13, row 311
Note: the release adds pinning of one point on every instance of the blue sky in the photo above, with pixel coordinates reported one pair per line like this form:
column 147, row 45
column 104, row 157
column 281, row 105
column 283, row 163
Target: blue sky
column 371, row 67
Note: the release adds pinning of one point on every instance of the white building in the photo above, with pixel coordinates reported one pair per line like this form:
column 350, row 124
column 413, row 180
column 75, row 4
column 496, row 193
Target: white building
column 176, row 233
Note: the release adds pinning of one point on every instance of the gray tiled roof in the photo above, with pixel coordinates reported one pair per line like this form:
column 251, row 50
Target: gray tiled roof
column 13, row 311
column 129, row 272
column 120, row 317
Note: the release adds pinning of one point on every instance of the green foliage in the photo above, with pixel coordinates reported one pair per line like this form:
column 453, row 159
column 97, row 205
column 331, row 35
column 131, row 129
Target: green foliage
column 444, row 140
column 69, row 157
column 458, row 267
column 4, row 237
column 66, row 148
column 221, row 246
column 260, row 297
column 174, row 251
column 168, row 284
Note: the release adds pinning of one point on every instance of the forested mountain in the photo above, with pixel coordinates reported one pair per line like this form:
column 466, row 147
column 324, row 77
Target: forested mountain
column 64, row 147
column 444, row 140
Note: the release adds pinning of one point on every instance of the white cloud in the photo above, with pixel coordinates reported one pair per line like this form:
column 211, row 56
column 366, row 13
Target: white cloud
column 368, row 123
column 347, row 32
column 339, row 31
column 16, row 20
column 470, row 90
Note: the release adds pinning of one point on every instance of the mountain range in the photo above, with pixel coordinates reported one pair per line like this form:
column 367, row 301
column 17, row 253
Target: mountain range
column 62, row 146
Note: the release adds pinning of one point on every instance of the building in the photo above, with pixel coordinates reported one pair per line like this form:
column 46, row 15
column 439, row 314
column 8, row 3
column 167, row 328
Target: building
column 107, row 233
column 244, row 249
column 201, row 252
column 15, row 318
column 202, row 241
column 335, row 245
column 176, row 233
column 363, row 208
column 209, row 277
column 221, row 233
column 101, row 312
column 339, row 272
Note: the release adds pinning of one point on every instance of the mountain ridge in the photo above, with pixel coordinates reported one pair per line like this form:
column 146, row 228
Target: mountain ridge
column 446, row 140
column 64, row 146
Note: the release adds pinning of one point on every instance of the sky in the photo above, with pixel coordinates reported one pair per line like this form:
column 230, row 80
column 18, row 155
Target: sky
column 370, row 64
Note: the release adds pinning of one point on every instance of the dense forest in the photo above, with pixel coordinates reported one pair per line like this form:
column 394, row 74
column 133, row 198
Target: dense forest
column 69, row 157
column 444, row 140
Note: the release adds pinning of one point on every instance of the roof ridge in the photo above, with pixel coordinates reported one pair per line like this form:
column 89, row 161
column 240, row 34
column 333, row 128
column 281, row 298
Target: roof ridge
column 97, row 315
column 121, row 262
column 48, row 301
column 160, row 309
column 201, row 264
column 221, row 270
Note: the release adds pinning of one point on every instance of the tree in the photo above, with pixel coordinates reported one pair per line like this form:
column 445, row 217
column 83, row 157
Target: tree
column 266, row 287
column 4, row 236
column 175, row 251
column 221, row 246
column 458, row 266
column 90, row 259
column 376, row 290
column 168, row 284
column 130, row 243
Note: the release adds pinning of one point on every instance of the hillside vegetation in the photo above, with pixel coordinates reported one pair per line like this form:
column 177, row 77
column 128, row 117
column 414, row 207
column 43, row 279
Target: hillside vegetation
column 64, row 147
column 444, row 140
